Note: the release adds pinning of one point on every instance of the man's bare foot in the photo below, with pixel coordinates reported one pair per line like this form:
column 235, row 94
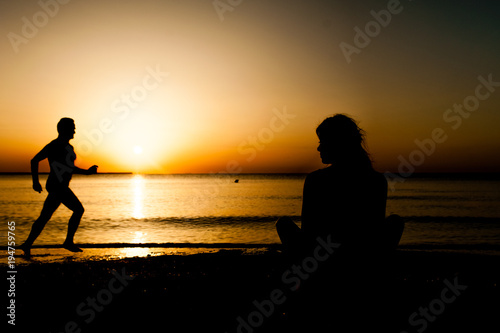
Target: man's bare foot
column 26, row 250
column 72, row 247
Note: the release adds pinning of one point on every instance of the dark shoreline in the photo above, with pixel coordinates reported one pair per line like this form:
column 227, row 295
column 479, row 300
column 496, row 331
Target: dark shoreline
column 473, row 248
column 208, row 292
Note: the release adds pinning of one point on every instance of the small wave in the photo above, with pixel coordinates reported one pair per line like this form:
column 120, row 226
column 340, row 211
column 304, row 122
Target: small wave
column 441, row 246
column 452, row 219
column 158, row 245
column 441, row 198
column 229, row 220
column 213, row 219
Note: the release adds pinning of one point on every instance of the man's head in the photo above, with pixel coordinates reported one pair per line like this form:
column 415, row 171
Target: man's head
column 66, row 128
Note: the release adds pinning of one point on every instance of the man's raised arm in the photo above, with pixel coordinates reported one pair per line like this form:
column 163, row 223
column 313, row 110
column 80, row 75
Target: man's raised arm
column 90, row 171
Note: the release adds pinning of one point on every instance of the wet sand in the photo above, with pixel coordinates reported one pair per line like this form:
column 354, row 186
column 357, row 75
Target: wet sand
column 233, row 290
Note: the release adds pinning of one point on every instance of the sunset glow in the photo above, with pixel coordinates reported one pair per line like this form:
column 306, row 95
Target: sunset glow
column 180, row 87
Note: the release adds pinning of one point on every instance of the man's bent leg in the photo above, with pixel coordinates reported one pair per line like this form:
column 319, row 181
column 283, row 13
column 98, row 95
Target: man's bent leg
column 70, row 200
column 49, row 207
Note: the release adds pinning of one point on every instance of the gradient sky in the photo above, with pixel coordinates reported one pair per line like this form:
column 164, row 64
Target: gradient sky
column 228, row 80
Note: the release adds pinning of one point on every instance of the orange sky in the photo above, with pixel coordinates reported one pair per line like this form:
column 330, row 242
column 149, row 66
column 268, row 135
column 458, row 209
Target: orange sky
column 245, row 93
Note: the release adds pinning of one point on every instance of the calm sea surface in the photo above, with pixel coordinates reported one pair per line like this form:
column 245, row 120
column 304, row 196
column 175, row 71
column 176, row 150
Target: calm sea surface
column 214, row 209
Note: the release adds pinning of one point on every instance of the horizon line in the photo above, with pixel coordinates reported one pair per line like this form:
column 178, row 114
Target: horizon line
column 416, row 174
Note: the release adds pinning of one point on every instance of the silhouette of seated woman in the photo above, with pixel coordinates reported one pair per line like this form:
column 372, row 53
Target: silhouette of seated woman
column 61, row 158
column 345, row 201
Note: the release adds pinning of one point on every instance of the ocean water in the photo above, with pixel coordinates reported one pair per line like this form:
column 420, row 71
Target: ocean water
column 441, row 212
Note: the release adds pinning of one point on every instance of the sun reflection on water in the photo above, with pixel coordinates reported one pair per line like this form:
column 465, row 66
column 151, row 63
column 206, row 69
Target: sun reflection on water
column 130, row 252
column 138, row 188
column 139, row 237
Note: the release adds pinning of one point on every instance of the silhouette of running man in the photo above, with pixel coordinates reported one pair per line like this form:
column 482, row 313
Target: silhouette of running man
column 345, row 201
column 61, row 157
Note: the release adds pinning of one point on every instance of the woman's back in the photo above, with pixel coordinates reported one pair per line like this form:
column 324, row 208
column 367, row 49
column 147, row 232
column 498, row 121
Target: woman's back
column 346, row 203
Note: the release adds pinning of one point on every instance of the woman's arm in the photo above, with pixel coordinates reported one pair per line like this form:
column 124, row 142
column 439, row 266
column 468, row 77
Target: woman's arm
column 380, row 198
column 308, row 209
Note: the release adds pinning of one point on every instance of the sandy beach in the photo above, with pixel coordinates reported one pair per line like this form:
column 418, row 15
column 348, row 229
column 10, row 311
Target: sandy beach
column 232, row 290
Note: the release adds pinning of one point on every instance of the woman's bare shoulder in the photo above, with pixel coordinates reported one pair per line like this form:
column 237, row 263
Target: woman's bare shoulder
column 319, row 174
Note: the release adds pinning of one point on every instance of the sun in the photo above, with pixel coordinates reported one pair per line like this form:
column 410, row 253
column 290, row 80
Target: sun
column 137, row 150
